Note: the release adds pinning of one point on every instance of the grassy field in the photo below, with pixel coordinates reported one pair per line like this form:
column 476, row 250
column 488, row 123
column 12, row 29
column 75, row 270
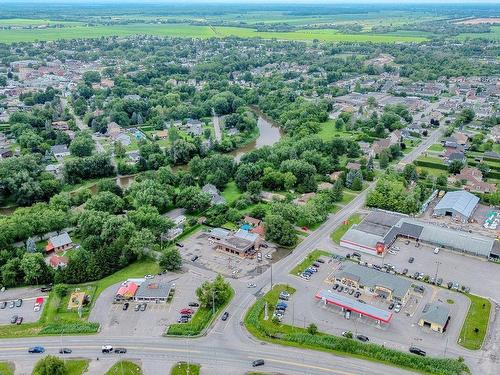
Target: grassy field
column 76, row 366
column 24, row 22
column 56, row 319
column 200, row 321
column 436, row 147
column 340, row 231
column 6, row 368
column 182, row 369
column 310, row 259
column 494, row 34
column 124, row 368
column 191, row 31
column 475, row 324
column 329, row 131
column 231, row 192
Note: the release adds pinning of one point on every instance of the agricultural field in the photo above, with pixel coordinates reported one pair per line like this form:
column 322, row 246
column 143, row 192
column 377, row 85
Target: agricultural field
column 192, row 31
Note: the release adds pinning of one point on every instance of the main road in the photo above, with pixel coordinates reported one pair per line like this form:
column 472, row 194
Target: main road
column 227, row 348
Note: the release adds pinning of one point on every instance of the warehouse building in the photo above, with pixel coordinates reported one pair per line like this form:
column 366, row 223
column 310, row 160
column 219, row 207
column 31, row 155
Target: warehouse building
column 379, row 230
column 435, row 316
column 460, row 205
column 384, row 285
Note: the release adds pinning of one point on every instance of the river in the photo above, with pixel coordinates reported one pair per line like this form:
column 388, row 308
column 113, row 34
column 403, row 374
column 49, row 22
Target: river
column 269, row 134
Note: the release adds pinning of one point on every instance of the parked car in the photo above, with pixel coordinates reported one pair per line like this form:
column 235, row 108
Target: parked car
column 149, row 277
column 143, row 306
column 395, row 248
column 397, row 308
column 3, row 305
column 187, row 311
column 19, row 302
column 268, row 256
column 225, row 316
column 45, row 289
column 106, row 348
column 351, row 292
column 179, row 244
column 13, row 319
column 411, row 259
column 361, row 301
column 258, row 362
column 439, row 281
column 417, row 351
column 436, row 250
column 251, row 285
column 137, row 307
column 335, row 286
column 12, row 304
column 36, row 349
column 356, row 255
column 320, row 260
column 357, row 294
column 19, row 320
column 193, row 259
column 391, row 306
column 405, row 271
column 340, row 289
column 120, row 350
column 284, row 295
column 193, row 304
column 65, row 351
column 183, row 319
column 347, row 334
column 362, row 338
column 449, row 285
column 419, row 289
column 125, row 306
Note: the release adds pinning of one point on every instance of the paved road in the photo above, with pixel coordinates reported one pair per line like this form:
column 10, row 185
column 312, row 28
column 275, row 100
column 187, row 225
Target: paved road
column 218, row 133
column 228, row 347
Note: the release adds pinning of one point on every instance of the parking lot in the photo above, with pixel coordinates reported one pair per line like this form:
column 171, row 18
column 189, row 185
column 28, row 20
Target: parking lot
column 26, row 311
column 156, row 318
column 198, row 245
column 403, row 329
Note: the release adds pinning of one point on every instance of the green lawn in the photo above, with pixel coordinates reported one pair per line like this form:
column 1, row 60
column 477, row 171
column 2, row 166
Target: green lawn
column 124, row 368
column 310, row 259
column 294, row 336
column 200, row 321
column 182, row 369
column 430, row 159
column 329, row 131
column 56, row 319
column 76, row 366
column 436, row 147
column 347, row 197
column 6, row 368
column 340, row 231
column 477, row 319
column 432, row 171
column 231, row 192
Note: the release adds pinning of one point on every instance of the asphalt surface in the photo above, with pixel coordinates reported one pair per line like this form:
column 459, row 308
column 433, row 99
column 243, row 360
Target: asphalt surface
column 228, row 347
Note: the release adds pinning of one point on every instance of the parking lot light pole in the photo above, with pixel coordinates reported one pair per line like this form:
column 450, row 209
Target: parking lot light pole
column 437, row 268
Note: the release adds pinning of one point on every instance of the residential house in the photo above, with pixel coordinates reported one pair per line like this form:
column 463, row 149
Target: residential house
column 380, row 145
column 54, row 169
column 133, row 156
column 118, row 134
column 60, row 125
column 366, row 149
column 303, row 199
column 335, row 175
column 161, row 134
column 194, row 127
column 353, row 166
column 473, row 179
column 61, row 242
column 455, row 156
column 253, row 222
column 60, row 151
column 57, row 261
column 324, row 186
column 214, row 194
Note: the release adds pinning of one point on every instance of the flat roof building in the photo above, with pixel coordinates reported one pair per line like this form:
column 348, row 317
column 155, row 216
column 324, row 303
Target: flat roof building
column 381, row 284
column 435, row 316
column 153, row 291
column 457, row 204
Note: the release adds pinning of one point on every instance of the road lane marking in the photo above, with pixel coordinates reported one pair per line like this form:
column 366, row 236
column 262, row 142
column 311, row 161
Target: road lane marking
column 307, row 366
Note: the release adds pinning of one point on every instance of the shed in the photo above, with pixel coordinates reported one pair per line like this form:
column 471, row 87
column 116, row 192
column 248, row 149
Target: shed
column 457, row 204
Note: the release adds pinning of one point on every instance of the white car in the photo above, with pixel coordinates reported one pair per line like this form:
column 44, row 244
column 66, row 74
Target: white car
column 149, row 277
column 397, row 308
column 269, row 256
column 106, row 348
column 436, row 250
column 36, row 308
column 395, row 248
column 252, row 285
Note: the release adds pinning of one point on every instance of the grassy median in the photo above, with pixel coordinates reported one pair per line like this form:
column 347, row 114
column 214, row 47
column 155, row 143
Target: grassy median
column 312, row 257
column 283, row 334
column 181, row 368
column 6, row 368
column 476, row 323
column 124, row 368
column 202, row 318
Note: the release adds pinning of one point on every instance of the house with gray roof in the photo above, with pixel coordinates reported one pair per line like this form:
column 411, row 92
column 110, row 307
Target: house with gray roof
column 60, row 151
column 61, row 242
column 457, row 204
column 435, row 316
column 214, row 193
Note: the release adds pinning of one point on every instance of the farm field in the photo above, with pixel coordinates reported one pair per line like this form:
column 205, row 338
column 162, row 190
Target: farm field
column 190, row 31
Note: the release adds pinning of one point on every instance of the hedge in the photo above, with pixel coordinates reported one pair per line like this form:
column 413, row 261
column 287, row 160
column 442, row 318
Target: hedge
column 295, row 336
column 69, row 328
column 429, row 164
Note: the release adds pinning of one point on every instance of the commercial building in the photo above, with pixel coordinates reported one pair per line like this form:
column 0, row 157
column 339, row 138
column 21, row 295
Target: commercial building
column 381, row 284
column 241, row 243
column 435, row 316
column 379, row 230
column 349, row 304
column 153, row 292
column 458, row 204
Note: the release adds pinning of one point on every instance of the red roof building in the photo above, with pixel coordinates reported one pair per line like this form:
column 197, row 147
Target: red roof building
column 57, row 261
column 127, row 290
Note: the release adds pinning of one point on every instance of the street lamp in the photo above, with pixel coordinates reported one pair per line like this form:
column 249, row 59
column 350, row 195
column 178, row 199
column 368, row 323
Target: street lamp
column 437, row 268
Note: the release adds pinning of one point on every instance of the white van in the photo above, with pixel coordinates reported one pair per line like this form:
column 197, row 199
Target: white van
column 436, row 250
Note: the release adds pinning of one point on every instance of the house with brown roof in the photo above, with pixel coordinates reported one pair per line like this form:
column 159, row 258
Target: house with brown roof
column 380, row 145
column 57, row 261
column 353, row 166
column 303, row 199
column 335, row 175
column 473, row 179
column 252, row 221
column 161, row 134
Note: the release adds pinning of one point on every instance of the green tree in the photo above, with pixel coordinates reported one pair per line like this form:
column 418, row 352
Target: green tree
column 384, row 159
column 35, row 270
column 50, row 365
column 193, row 199
column 455, row 166
column 105, row 201
column 215, row 293
column 312, row 329
column 280, row 230
column 171, row 259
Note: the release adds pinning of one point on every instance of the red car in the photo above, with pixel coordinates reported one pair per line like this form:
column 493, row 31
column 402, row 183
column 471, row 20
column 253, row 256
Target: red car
column 187, row 311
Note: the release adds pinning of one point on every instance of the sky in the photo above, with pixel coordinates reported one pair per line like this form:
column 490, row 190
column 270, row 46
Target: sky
column 342, row 2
